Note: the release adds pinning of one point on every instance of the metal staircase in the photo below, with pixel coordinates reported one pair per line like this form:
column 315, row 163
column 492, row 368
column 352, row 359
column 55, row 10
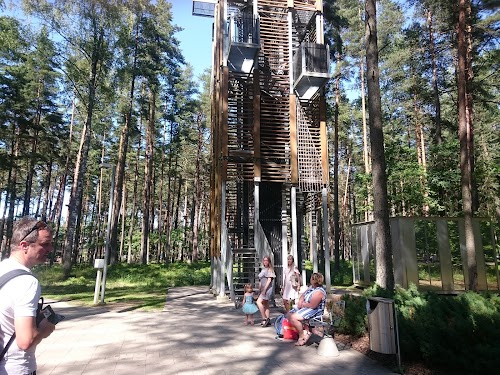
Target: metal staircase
column 245, row 268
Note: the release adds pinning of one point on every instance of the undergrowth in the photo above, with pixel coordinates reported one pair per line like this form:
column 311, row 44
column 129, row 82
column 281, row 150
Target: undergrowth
column 455, row 333
column 142, row 285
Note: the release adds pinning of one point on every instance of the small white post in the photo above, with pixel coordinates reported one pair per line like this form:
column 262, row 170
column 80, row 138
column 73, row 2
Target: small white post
column 99, row 264
column 108, row 230
column 97, row 285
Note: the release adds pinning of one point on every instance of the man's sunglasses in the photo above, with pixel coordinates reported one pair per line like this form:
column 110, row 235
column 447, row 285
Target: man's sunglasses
column 39, row 225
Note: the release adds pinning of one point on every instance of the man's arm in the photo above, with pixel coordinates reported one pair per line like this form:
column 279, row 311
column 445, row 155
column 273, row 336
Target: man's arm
column 27, row 333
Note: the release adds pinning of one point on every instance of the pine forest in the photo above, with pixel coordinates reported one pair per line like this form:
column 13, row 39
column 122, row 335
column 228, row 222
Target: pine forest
column 105, row 129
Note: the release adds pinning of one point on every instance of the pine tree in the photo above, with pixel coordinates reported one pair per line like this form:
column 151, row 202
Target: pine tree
column 385, row 275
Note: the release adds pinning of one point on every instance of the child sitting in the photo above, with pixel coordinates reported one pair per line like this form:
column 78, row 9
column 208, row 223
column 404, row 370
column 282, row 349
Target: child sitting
column 249, row 307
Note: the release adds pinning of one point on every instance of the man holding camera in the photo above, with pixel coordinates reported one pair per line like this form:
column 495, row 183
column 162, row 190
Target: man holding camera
column 31, row 243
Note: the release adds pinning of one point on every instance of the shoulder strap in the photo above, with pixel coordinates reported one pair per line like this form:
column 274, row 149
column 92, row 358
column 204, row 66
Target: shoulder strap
column 6, row 277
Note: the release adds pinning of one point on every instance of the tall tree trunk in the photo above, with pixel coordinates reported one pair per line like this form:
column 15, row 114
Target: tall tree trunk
column 56, row 213
column 184, row 245
column 32, row 161
column 384, row 272
column 99, row 248
column 134, row 213
column 75, row 202
column 4, row 240
column 53, row 183
column 435, row 88
column 465, row 138
column 4, row 222
column 124, row 212
column 176, row 208
column 197, row 190
column 366, row 153
column 470, row 108
column 29, row 176
column 122, row 156
column 336, row 223
column 421, row 155
column 169, row 208
column 438, row 137
column 152, row 203
column 46, row 190
column 148, row 179
column 161, row 203
column 11, row 192
column 92, row 239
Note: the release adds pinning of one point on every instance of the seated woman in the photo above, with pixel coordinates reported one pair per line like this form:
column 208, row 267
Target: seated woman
column 311, row 304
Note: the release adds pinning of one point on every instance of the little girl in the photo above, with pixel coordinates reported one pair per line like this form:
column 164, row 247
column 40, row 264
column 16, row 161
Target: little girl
column 249, row 307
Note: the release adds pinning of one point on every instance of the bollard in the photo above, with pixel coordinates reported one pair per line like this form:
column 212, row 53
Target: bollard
column 99, row 264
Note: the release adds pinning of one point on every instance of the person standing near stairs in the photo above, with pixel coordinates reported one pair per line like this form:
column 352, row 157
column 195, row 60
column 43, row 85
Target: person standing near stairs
column 249, row 308
column 266, row 290
column 291, row 284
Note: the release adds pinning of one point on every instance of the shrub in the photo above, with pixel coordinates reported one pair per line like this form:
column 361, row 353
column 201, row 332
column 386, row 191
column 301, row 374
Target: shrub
column 459, row 333
column 342, row 276
column 355, row 320
column 456, row 333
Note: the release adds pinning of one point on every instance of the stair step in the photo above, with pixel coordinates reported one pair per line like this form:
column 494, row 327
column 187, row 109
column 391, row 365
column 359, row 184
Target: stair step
column 244, row 274
column 244, row 250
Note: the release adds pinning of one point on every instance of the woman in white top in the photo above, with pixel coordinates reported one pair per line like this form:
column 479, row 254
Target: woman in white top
column 291, row 283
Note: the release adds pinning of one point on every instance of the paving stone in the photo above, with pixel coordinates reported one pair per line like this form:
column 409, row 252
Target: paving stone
column 194, row 334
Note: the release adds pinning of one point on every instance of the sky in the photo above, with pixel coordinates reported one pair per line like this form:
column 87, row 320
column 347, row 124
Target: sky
column 196, row 38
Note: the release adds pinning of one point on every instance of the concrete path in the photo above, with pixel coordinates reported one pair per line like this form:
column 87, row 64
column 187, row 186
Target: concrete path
column 195, row 334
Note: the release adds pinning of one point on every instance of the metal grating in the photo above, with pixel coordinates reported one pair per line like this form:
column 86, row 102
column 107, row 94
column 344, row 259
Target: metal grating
column 204, row 8
column 309, row 152
column 240, row 166
column 275, row 87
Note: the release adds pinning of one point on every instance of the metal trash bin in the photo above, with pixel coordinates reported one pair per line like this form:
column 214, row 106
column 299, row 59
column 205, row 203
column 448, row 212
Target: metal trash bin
column 381, row 325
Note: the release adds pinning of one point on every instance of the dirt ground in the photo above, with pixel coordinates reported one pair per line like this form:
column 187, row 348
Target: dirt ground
column 362, row 345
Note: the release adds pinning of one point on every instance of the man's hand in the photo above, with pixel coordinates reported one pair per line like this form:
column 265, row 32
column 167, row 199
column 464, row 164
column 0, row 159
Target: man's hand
column 46, row 328
column 28, row 334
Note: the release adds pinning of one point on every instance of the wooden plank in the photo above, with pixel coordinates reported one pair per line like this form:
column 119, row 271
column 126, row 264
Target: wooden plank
column 463, row 252
column 408, row 249
column 444, row 251
column 482, row 284
column 365, row 253
column 399, row 264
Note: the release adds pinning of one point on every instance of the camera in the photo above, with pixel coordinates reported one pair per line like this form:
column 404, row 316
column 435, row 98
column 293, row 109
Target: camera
column 50, row 315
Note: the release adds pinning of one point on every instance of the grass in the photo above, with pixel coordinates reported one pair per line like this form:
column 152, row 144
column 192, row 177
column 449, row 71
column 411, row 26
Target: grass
column 142, row 286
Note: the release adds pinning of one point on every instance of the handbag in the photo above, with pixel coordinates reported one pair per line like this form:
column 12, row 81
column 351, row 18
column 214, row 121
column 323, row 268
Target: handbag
column 294, row 280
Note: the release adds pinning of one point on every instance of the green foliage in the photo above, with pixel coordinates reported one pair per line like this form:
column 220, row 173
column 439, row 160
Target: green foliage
column 458, row 333
column 377, row 291
column 362, row 185
column 342, row 277
column 144, row 286
column 355, row 320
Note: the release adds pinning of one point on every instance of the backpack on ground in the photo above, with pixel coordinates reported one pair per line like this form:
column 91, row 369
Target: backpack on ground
column 278, row 325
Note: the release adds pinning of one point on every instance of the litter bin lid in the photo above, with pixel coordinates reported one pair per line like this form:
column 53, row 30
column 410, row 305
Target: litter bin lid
column 381, row 299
